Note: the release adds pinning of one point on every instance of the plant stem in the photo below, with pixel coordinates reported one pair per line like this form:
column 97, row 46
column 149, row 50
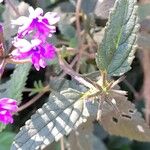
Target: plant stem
column 14, row 61
column 34, row 99
column 146, row 92
column 78, row 6
column 72, row 73
column 71, row 65
column 62, row 144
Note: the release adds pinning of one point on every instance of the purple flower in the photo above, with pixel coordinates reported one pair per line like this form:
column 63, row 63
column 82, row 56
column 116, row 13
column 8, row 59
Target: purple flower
column 36, row 50
column 7, row 107
column 39, row 25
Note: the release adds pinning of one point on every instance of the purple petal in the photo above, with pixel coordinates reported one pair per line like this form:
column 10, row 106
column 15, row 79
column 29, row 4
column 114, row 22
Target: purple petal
column 35, row 61
column 7, row 107
column 6, row 117
column 42, row 63
column 8, row 104
column 49, row 51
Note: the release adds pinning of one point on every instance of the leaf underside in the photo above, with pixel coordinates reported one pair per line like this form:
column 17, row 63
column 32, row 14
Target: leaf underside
column 128, row 122
column 117, row 49
column 65, row 111
column 62, row 113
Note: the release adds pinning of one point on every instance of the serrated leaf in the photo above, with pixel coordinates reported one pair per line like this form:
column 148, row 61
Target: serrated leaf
column 14, row 86
column 62, row 84
column 38, row 87
column 17, row 82
column 62, row 113
column 67, row 30
column 116, row 51
column 40, row 84
column 128, row 122
column 36, row 84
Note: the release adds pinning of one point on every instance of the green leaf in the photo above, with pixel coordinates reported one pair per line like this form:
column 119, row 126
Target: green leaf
column 67, row 30
column 38, row 87
column 62, row 113
column 73, row 42
column 117, row 49
column 17, row 82
column 6, row 140
column 2, row 127
column 14, row 86
column 88, row 6
column 119, row 143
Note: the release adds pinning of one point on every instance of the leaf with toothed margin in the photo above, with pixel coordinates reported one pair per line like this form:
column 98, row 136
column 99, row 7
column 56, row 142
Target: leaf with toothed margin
column 62, row 113
column 13, row 88
column 117, row 49
column 124, row 120
column 66, row 110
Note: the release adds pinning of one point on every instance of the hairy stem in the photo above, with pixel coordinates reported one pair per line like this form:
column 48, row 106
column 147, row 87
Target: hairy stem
column 34, row 99
column 78, row 6
column 146, row 66
column 72, row 73
column 14, row 61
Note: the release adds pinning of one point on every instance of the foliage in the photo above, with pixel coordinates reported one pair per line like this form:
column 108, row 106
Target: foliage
column 6, row 139
column 116, row 51
column 77, row 101
column 15, row 86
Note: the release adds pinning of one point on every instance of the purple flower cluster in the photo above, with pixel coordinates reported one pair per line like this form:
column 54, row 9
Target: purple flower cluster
column 31, row 41
column 7, row 107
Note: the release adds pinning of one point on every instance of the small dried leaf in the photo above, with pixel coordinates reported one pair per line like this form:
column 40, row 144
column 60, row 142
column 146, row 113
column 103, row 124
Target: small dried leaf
column 121, row 118
column 62, row 113
column 128, row 122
